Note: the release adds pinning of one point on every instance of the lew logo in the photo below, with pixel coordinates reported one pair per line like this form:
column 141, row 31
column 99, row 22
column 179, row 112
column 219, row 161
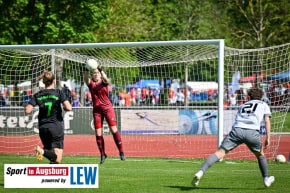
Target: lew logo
column 83, row 175
column 51, row 176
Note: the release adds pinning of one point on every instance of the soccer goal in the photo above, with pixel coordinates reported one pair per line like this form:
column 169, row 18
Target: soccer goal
column 172, row 98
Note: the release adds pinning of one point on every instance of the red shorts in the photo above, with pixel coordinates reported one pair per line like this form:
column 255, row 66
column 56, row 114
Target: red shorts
column 107, row 114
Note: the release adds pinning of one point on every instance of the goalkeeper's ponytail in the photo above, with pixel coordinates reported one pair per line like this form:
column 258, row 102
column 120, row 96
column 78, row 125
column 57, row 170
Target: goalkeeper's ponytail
column 47, row 78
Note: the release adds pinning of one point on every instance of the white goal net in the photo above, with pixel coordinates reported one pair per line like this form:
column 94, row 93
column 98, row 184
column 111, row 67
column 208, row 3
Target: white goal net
column 168, row 96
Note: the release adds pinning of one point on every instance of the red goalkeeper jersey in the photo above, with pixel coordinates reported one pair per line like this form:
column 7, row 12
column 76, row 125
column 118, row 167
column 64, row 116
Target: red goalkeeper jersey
column 100, row 95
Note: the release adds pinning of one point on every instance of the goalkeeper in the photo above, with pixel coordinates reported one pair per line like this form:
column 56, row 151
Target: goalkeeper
column 245, row 130
column 50, row 120
column 98, row 85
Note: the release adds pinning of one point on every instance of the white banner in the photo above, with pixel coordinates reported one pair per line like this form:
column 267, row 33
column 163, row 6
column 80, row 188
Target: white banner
column 149, row 121
column 51, row 176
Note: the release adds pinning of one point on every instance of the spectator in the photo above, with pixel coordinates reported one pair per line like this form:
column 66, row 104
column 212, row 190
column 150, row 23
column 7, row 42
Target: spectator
column 210, row 94
column 25, row 98
column 2, row 100
column 149, row 96
column 127, row 99
column 156, row 93
column 144, row 94
column 88, row 99
column 287, row 97
column 283, row 88
column 240, row 97
column 76, row 100
column 122, row 98
column 134, row 95
column 67, row 93
column 172, row 96
column 266, row 99
column 233, row 100
column 179, row 97
column 139, row 98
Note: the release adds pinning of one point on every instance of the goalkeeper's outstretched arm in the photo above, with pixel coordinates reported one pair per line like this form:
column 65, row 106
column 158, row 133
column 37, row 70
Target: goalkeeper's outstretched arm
column 86, row 77
column 105, row 78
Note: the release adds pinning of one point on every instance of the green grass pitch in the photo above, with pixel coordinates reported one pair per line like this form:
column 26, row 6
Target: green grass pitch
column 153, row 175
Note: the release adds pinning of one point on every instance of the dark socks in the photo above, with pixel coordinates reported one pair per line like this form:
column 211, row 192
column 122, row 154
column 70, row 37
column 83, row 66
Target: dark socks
column 50, row 155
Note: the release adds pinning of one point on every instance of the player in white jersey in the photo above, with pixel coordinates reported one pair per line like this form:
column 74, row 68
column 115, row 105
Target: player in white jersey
column 245, row 130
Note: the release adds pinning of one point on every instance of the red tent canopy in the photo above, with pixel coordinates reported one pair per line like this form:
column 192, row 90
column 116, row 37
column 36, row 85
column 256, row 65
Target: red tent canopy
column 248, row 78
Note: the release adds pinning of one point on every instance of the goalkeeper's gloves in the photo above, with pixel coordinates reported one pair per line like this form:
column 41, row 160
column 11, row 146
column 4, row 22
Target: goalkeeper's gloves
column 100, row 68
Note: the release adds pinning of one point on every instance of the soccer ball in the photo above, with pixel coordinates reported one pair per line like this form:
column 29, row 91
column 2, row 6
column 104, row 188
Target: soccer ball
column 92, row 64
column 280, row 158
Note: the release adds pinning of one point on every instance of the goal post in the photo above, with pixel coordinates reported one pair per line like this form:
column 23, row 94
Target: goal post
column 220, row 90
column 173, row 95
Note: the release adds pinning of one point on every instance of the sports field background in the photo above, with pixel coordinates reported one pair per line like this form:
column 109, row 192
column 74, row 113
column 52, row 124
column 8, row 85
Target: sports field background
column 142, row 173
column 148, row 175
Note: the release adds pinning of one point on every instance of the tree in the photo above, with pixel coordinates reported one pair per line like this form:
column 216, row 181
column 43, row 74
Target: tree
column 36, row 22
column 126, row 21
column 258, row 23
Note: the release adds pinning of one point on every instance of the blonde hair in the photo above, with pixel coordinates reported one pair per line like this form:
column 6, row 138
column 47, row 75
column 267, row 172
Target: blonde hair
column 47, row 78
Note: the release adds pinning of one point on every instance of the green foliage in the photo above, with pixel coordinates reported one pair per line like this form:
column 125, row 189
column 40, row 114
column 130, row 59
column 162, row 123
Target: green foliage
column 15, row 64
column 257, row 23
column 126, row 21
column 248, row 23
column 31, row 22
